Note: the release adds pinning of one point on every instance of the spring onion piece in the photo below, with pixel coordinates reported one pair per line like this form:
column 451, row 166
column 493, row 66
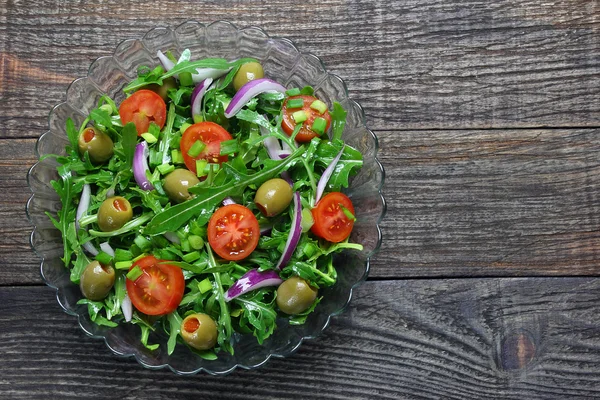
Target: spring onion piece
column 105, row 247
column 127, row 308
column 319, row 106
column 294, row 236
column 318, row 126
column 299, row 116
column 326, row 175
column 293, row 92
column 197, row 95
column 295, row 103
column 196, row 148
column 135, row 273
column 172, row 237
column 140, row 166
column 249, row 91
column 252, row 280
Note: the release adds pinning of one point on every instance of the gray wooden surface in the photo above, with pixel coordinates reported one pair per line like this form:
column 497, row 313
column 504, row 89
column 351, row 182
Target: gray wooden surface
column 488, row 115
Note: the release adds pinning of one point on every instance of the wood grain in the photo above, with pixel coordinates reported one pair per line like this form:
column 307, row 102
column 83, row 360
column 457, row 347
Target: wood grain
column 433, row 64
column 417, row 339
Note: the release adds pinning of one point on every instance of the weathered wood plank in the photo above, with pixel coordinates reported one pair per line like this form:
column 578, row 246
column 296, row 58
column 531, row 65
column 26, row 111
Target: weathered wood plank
column 431, row 64
column 494, row 202
column 453, row 339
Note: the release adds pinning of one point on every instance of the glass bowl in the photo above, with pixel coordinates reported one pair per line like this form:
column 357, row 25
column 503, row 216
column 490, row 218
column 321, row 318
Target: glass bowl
column 283, row 62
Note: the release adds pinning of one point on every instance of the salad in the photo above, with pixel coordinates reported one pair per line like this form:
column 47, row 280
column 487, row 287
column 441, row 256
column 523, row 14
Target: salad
column 207, row 204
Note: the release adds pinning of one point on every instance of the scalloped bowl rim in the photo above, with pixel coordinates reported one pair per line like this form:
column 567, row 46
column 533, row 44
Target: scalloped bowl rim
column 286, row 353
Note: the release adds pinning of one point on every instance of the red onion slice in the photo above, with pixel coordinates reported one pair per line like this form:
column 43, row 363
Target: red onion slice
column 249, row 91
column 105, row 247
column 140, row 166
column 326, row 175
column 252, row 280
column 208, row 73
column 84, row 204
column 227, row 201
column 266, row 228
column 172, row 237
column 295, row 232
column 197, row 96
column 127, row 308
column 271, row 144
column 165, row 61
column 89, row 247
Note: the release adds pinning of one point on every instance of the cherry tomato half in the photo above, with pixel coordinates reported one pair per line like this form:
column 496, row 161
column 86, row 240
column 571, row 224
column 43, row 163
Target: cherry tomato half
column 142, row 108
column 288, row 124
column 159, row 290
column 330, row 221
column 211, row 135
column 233, row 232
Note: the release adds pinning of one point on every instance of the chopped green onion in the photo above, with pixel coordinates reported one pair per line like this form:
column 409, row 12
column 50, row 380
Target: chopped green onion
column 299, row 116
column 165, row 169
column 196, row 242
column 229, row 147
column 143, row 243
column 205, row 286
column 176, row 156
column 191, row 257
column 150, row 138
column 196, row 148
column 135, row 273
column 185, row 245
column 319, row 106
column 307, row 220
column 103, row 258
column 347, row 213
column 185, row 79
column 292, row 92
column 197, row 118
column 107, row 108
column 295, row 103
column 184, row 127
column 123, row 264
column 200, row 167
column 197, row 229
column 123, row 255
column 318, row 126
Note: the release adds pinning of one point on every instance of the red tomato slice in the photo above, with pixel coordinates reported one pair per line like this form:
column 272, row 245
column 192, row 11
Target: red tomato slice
column 159, row 290
column 142, row 108
column 305, row 134
column 330, row 221
column 233, row 232
column 210, row 134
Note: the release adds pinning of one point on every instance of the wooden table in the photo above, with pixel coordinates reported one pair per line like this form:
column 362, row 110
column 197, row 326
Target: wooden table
column 488, row 115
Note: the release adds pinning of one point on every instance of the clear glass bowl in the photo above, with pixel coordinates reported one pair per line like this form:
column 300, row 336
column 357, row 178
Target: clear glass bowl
column 283, row 62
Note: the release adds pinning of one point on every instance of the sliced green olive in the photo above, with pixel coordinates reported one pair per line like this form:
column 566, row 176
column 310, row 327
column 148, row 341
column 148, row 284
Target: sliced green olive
column 295, row 295
column 163, row 90
column 199, row 331
column 97, row 143
column 273, row 196
column 176, row 184
column 96, row 280
column 247, row 72
column 114, row 212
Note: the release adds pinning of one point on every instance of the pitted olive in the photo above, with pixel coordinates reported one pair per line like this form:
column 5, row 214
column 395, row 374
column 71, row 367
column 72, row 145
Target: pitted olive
column 273, row 196
column 114, row 213
column 295, row 296
column 163, row 90
column 247, row 72
column 97, row 143
column 96, row 280
column 199, row 331
column 176, row 184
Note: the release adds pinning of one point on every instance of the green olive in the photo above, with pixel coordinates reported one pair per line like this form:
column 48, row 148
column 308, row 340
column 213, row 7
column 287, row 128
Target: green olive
column 199, row 331
column 96, row 280
column 295, row 296
column 114, row 212
column 247, row 72
column 273, row 196
column 176, row 184
column 163, row 90
column 97, row 143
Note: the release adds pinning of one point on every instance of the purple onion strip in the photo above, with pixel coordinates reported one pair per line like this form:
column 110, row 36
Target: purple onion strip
column 197, row 96
column 295, row 232
column 227, row 201
column 84, row 204
column 326, row 175
column 271, row 144
column 249, row 91
column 127, row 308
column 105, row 247
column 252, row 280
column 140, row 166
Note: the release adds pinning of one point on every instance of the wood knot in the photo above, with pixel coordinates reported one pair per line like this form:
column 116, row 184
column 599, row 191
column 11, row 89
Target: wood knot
column 517, row 350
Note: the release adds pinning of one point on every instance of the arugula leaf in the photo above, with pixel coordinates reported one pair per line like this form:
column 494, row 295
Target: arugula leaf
column 338, row 120
column 175, row 322
column 207, row 198
column 224, row 321
column 348, row 165
column 129, row 141
column 101, row 117
column 214, row 63
column 72, row 133
column 259, row 310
